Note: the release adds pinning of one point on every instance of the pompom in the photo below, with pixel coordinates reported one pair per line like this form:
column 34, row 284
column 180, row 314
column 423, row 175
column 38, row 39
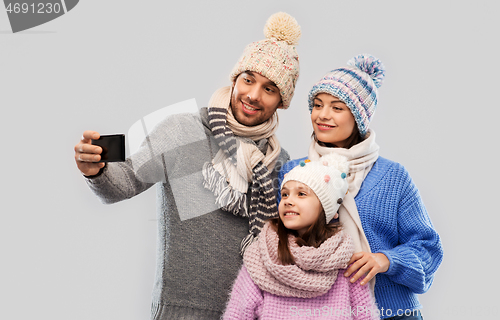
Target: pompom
column 282, row 27
column 370, row 65
column 337, row 161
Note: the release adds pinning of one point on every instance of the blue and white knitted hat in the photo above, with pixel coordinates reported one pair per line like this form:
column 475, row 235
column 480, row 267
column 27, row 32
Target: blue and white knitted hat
column 356, row 85
column 326, row 177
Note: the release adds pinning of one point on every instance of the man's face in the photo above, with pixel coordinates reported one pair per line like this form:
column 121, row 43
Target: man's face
column 255, row 98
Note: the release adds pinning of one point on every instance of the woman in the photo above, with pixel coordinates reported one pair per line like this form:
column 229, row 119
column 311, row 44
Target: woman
column 395, row 241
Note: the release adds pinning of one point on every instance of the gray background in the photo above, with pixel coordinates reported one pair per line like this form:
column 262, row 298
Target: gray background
column 106, row 64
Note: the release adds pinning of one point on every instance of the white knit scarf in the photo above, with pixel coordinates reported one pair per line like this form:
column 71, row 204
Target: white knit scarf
column 361, row 158
column 240, row 160
column 315, row 269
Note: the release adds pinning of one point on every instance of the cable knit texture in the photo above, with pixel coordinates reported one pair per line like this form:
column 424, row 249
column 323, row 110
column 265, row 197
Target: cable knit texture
column 396, row 224
column 310, row 289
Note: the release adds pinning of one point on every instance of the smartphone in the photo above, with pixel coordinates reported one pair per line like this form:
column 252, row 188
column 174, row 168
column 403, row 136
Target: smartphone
column 113, row 147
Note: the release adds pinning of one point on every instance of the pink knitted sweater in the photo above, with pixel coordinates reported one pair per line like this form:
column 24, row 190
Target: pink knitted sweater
column 310, row 289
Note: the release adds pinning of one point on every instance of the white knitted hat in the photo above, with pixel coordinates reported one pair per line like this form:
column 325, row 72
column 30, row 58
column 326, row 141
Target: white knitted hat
column 326, row 177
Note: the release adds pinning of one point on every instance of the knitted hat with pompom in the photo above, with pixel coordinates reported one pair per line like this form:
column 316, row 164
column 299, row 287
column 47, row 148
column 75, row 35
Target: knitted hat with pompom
column 356, row 85
column 275, row 57
column 326, row 177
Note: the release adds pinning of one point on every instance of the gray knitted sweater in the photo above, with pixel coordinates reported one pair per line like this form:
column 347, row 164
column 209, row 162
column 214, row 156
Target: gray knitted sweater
column 198, row 244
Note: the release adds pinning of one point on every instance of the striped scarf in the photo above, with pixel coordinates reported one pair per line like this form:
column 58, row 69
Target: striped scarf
column 247, row 155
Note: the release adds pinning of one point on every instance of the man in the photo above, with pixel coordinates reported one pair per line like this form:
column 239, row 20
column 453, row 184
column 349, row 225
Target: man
column 215, row 174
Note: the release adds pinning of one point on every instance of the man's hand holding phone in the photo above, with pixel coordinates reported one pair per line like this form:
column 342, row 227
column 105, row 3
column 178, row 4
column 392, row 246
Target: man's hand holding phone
column 94, row 150
column 87, row 155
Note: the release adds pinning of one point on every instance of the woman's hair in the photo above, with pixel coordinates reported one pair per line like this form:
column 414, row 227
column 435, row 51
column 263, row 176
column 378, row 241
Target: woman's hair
column 315, row 235
column 353, row 139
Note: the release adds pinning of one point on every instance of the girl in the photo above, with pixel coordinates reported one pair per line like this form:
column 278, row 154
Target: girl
column 395, row 241
column 295, row 268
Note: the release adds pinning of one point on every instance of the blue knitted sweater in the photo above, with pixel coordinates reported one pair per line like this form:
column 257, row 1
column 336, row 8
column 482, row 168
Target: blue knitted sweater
column 396, row 224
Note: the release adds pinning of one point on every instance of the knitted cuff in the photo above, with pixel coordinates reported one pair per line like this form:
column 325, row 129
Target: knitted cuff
column 394, row 267
column 97, row 174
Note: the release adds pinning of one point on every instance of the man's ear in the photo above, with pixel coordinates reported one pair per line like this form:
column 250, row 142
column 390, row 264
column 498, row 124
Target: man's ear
column 280, row 105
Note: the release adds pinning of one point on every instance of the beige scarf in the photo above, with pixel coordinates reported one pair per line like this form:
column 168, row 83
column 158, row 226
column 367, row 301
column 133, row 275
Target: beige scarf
column 360, row 158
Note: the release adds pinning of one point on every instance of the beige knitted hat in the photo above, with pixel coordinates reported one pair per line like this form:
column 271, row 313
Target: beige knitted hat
column 326, row 177
column 275, row 57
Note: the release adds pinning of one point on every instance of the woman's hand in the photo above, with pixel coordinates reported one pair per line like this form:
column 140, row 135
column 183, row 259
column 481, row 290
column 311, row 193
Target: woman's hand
column 367, row 263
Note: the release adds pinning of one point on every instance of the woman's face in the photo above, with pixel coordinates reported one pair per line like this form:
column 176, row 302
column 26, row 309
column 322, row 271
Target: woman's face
column 332, row 120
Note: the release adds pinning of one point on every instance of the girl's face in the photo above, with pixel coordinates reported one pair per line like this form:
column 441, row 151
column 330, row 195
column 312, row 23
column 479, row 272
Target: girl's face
column 332, row 120
column 299, row 207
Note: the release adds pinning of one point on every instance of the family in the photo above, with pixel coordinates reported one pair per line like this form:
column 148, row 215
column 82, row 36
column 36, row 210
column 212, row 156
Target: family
column 339, row 234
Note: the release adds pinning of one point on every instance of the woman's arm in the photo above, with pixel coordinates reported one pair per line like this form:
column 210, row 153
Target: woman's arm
column 415, row 260
column 406, row 247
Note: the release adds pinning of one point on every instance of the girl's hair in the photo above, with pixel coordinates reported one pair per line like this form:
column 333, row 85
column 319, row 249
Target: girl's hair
column 317, row 233
column 353, row 139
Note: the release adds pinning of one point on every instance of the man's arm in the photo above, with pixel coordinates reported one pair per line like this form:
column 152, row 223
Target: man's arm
column 158, row 159
column 111, row 182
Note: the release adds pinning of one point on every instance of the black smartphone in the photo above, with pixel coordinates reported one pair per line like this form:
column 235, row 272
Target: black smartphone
column 113, row 147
